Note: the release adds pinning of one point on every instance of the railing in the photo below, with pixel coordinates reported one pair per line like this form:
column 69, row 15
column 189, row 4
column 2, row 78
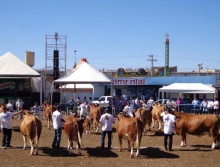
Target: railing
column 193, row 109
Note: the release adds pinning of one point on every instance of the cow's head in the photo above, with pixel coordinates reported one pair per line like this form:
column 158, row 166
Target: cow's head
column 121, row 115
column 94, row 104
column 2, row 108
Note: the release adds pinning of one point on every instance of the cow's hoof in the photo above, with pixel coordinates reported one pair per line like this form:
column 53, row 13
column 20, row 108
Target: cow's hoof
column 132, row 156
column 120, row 150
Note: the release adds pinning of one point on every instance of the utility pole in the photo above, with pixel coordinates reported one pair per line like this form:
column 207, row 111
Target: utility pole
column 152, row 63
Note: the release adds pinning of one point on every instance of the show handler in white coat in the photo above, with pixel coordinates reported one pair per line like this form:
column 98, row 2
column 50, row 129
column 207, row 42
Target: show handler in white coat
column 106, row 120
column 169, row 124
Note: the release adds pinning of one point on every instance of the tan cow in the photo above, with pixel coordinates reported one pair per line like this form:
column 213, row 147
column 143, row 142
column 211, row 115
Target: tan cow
column 131, row 130
column 48, row 110
column 156, row 114
column 87, row 125
column 31, row 128
column 145, row 116
column 74, row 128
column 95, row 115
column 198, row 125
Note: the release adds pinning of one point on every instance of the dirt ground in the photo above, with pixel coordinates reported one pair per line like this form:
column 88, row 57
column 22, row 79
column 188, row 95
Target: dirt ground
column 197, row 152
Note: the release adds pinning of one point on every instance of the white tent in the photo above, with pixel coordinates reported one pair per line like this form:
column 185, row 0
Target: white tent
column 188, row 88
column 84, row 73
column 13, row 67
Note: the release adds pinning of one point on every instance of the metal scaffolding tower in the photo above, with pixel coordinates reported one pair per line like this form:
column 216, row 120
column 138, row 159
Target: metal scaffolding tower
column 55, row 42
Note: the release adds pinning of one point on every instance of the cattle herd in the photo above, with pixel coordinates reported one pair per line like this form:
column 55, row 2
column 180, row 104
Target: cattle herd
column 130, row 129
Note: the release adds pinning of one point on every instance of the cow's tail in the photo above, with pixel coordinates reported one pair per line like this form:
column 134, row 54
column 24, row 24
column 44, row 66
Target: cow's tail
column 137, row 138
column 218, row 121
column 219, row 125
column 36, row 132
column 79, row 136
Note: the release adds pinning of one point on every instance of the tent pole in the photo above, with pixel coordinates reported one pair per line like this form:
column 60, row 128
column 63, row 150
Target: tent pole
column 51, row 92
column 61, row 95
column 41, row 90
column 112, row 98
column 74, row 91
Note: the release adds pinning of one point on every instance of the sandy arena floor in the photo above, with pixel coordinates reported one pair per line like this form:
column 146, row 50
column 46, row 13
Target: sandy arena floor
column 197, row 152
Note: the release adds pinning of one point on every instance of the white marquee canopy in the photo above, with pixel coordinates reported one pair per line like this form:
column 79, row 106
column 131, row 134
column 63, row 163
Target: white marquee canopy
column 188, row 88
column 84, row 73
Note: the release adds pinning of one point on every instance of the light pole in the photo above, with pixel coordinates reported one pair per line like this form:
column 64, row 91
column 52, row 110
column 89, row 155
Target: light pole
column 75, row 58
column 200, row 67
column 75, row 83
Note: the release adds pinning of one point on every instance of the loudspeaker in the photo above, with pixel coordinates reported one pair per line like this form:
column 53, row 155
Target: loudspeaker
column 56, row 73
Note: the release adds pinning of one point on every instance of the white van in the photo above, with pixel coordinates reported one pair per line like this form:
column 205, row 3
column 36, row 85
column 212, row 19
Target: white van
column 103, row 101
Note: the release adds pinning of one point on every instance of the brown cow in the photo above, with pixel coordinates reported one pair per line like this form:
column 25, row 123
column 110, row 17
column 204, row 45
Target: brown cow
column 198, row 125
column 131, row 130
column 87, row 125
column 31, row 128
column 145, row 116
column 74, row 129
column 48, row 110
column 95, row 115
column 156, row 114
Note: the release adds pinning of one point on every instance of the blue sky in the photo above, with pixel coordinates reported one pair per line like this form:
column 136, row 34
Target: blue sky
column 115, row 33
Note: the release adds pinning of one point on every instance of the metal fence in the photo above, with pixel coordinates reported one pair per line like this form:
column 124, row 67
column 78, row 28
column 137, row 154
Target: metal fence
column 193, row 109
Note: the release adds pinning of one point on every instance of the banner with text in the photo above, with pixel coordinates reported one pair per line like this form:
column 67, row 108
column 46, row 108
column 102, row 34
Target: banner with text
column 129, row 81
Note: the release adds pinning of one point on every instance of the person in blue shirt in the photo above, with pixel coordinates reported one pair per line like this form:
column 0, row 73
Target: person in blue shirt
column 196, row 103
column 71, row 104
